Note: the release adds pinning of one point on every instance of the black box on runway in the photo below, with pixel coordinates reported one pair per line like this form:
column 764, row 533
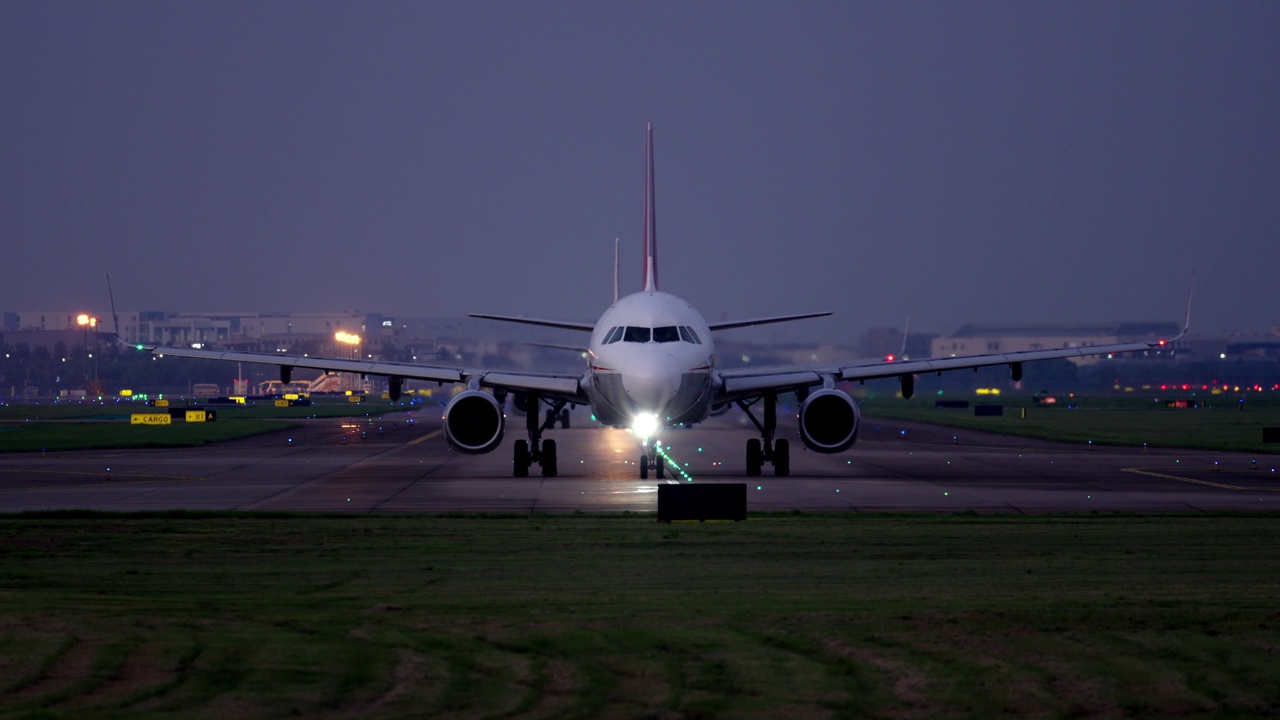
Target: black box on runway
column 712, row 501
column 988, row 410
column 1271, row 434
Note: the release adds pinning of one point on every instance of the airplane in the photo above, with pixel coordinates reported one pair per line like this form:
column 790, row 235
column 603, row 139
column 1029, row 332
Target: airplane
column 651, row 365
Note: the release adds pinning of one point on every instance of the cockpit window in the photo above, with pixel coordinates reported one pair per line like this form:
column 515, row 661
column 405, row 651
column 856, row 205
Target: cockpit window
column 666, row 333
column 636, row 334
column 688, row 335
column 615, row 334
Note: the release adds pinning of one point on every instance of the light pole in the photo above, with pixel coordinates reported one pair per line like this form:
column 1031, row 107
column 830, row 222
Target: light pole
column 352, row 341
column 90, row 322
column 87, row 322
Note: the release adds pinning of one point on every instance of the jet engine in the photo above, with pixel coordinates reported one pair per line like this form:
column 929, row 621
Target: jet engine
column 829, row 421
column 473, row 422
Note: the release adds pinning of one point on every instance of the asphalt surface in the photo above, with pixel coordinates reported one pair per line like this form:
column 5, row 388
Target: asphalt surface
column 402, row 464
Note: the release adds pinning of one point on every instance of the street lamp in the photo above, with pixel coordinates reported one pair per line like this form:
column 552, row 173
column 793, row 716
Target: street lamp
column 87, row 322
column 352, row 341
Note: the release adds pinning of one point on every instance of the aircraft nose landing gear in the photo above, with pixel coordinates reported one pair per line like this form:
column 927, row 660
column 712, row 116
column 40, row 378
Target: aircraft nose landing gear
column 651, row 460
column 765, row 449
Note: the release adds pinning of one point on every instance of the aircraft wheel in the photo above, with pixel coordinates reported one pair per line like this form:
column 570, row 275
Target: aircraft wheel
column 755, row 458
column 661, row 468
column 521, row 462
column 782, row 458
column 549, row 468
column 564, row 418
column 644, row 467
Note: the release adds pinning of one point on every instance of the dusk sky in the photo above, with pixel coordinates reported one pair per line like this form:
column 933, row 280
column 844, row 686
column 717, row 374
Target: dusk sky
column 951, row 162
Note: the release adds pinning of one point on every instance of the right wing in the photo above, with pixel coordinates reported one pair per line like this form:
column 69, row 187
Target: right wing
column 567, row 387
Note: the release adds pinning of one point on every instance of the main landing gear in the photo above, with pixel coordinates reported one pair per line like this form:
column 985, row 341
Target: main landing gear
column 535, row 449
column 765, row 449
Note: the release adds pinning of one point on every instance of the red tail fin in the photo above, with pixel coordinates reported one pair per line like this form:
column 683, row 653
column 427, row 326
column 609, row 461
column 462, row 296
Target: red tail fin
column 650, row 219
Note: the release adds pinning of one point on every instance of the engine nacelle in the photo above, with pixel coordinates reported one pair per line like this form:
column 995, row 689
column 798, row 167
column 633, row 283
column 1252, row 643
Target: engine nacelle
column 473, row 422
column 829, row 421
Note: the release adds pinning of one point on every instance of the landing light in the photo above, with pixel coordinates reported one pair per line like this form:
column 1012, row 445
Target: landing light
column 645, row 425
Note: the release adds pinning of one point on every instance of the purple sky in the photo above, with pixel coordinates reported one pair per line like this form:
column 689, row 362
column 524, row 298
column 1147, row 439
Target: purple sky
column 1001, row 162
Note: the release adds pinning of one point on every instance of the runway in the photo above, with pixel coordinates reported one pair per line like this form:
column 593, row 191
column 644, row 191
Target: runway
column 402, row 464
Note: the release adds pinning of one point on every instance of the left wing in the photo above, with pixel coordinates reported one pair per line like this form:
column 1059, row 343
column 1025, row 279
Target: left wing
column 743, row 382
column 567, row 387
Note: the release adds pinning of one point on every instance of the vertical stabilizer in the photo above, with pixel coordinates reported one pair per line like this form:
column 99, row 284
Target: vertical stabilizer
column 650, row 219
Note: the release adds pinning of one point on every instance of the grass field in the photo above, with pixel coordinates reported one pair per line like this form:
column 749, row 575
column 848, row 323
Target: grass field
column 583, row 616
column 89, row 426
column 1126, row 421
column 122, row 411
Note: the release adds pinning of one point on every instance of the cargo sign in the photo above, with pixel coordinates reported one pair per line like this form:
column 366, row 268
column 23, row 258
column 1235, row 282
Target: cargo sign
column 150, row 419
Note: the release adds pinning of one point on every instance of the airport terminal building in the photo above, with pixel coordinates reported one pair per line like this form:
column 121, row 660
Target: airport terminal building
column 419, row 336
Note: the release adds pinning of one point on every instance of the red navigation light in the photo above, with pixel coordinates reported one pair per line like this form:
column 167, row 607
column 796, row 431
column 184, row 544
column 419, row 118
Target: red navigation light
column 1162, row 342
column 889, row 357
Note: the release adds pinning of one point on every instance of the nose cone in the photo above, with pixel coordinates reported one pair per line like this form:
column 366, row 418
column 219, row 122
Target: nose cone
column 651, row 379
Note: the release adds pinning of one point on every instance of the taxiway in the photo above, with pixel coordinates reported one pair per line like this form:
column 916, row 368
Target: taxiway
column 402, row 464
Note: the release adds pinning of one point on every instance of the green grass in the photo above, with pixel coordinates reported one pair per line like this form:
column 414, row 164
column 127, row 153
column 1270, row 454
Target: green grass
column 207, row 615
column 37, row 436
column 122, row 411
column 90, row 426
column 1126, row 421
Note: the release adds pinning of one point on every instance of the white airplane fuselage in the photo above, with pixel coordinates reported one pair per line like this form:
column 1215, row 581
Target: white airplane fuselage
column 651, row 353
